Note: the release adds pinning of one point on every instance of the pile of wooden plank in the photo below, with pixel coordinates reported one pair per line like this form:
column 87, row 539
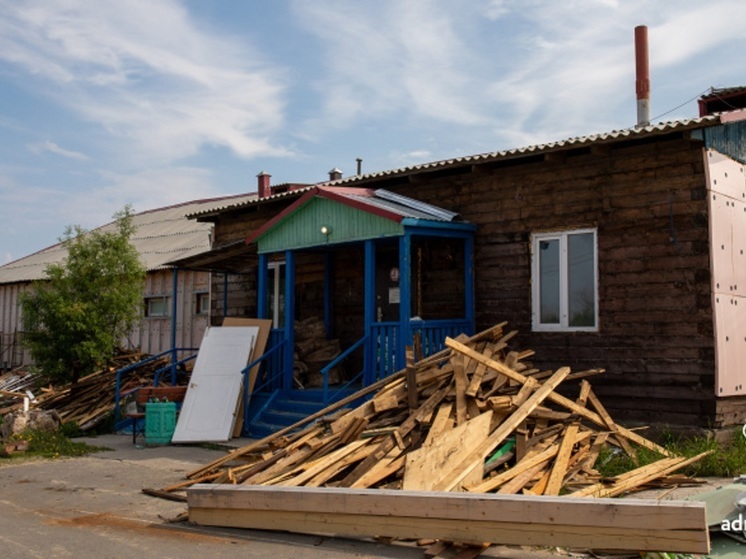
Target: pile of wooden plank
column 475, row 417
column 91, row 400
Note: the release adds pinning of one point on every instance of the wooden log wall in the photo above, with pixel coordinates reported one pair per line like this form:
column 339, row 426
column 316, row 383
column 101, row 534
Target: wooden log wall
column 647, row 201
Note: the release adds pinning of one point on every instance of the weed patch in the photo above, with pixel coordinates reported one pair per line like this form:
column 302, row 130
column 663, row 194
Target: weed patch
column 726, row 460
column 43, row 444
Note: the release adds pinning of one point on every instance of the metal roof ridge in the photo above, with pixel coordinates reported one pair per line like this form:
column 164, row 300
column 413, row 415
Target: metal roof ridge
column 533, row 148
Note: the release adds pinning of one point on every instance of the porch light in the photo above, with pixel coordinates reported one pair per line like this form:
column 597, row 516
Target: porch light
column 325, row 230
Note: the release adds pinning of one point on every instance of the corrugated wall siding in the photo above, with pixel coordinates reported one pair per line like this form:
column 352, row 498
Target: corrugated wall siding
column 12, row 352
column 152, row 336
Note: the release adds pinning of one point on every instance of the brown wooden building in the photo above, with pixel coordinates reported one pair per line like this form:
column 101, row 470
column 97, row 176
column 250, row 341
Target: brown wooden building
column 622, row 250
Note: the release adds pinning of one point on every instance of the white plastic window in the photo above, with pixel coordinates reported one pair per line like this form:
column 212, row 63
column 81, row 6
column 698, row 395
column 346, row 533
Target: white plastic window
column 565, row 281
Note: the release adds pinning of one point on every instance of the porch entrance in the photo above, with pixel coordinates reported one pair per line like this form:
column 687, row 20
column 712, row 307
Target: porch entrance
column 359, row 274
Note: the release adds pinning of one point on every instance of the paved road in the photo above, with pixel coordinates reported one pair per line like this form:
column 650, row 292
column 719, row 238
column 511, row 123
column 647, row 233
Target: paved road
column 93, row 507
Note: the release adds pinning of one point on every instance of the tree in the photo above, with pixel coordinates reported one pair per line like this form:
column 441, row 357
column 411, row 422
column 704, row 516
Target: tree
column 75, row 321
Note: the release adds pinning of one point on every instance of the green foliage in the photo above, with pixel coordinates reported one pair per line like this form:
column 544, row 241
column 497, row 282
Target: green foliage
column 727, row 459
column 75, row 321
column 45, row 444
column 613, row 461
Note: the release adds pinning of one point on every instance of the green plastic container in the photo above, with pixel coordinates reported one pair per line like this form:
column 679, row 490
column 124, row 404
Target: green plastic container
column 160, row 422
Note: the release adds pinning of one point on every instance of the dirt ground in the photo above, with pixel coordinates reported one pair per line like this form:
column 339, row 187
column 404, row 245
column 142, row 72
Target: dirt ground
column 93, row 506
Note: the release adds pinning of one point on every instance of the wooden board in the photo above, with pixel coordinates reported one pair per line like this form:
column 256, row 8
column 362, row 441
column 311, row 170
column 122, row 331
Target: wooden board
column 426, row 466
column 264, row 325
column 624, row 524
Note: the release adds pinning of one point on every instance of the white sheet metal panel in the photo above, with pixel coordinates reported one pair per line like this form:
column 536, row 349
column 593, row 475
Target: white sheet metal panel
column 739, row 248
column 209, row 410
column 726, row 183
column 726, row 176
column 730, row 345
column 721, row 243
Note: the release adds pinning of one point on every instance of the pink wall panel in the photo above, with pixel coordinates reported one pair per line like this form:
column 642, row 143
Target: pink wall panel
column 727, row 204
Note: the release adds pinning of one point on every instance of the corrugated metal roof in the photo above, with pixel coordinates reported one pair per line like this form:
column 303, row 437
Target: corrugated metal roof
column 161, row 235
column 401, row 205
column 537, row 149
column 295, row 191
column 718, row 91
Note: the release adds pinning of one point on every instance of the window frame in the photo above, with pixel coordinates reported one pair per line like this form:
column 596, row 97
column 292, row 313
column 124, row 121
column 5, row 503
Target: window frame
column 166, row 301
column 563, row 325
column 199, row 298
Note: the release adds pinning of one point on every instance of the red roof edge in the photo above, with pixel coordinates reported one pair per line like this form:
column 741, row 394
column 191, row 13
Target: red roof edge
column 338, row 194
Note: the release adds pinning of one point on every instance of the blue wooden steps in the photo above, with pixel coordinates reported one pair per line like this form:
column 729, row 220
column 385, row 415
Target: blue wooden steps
column 271, row 412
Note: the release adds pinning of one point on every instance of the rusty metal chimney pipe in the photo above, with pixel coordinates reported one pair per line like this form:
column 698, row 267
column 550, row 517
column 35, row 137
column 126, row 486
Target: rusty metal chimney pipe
column 642, row 72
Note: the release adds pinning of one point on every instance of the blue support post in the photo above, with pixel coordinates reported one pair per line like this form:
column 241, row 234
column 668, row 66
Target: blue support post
column 370, row 313
column 287, row 377
column 262, row 303
column 405, row 297
column 174, row 308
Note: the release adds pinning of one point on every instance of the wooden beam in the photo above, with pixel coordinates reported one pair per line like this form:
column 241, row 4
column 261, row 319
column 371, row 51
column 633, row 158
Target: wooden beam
column 559, row 468
column 625, row 524
column 554, row 397
column 478, row 454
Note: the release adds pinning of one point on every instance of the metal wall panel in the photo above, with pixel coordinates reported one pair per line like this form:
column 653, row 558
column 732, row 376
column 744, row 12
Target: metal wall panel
column 726, row 183
column 12, row 352
column 153, row 335
column 730, row 345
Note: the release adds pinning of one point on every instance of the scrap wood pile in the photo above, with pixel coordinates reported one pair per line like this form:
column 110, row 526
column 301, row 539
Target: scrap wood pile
column 87, row 403
column 475, row 417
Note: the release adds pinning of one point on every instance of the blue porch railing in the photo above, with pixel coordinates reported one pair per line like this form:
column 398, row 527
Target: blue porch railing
column 172, row 367
column 335, row 363
column 387, row 349
column 382, row 351
column 433, row 333
column 273, row 381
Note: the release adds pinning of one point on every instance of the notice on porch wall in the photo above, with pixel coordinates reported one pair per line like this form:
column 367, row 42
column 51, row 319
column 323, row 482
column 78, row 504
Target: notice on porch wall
column 393, row 295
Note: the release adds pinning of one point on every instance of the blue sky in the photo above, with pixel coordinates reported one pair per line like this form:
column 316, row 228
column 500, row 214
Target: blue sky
column 154, row 102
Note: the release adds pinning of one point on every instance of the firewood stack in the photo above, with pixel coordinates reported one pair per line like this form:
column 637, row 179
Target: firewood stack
column 475, row 417
column 313, row 351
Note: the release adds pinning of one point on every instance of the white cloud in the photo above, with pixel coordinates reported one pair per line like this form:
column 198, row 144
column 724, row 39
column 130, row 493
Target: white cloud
column 510, row 70
column 390, row 58
column 146, row 72
column 27, row 218
column 56, row 149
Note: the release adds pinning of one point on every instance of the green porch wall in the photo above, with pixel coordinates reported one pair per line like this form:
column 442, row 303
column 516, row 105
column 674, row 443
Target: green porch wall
column 302, row 229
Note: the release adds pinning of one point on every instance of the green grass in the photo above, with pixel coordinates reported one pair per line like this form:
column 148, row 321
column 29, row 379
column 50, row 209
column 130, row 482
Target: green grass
column 42, row 444
column 726, row 460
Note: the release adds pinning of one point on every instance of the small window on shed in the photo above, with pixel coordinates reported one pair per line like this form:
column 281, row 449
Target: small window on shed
column 565, row 281
column 202, row 303
column 156, row 307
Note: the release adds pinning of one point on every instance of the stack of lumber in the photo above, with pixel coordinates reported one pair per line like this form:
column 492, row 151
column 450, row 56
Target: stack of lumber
column 473, row 420
column 91, row 400
column 475, row 417
column 312, row 352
